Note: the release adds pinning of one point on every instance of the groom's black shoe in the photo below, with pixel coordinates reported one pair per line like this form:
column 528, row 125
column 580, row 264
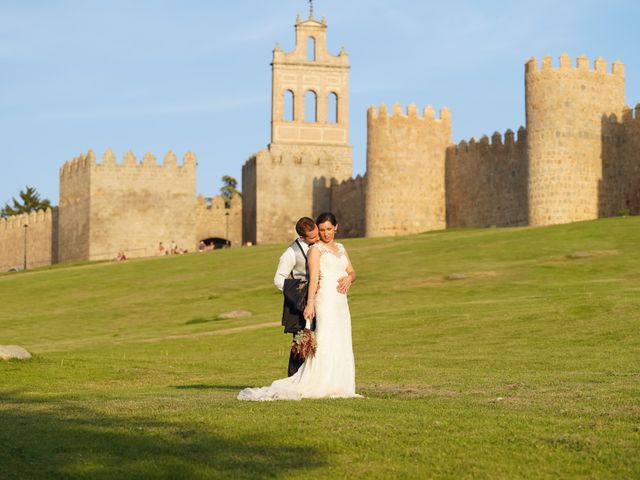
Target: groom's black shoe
column 295, row 362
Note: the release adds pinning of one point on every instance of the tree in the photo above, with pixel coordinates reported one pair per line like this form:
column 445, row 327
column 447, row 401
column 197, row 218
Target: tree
column 29, row 202
column 228, row 190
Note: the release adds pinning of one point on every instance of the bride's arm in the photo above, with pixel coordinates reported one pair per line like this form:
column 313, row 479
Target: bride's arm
column 345, row 282
column 313, row 260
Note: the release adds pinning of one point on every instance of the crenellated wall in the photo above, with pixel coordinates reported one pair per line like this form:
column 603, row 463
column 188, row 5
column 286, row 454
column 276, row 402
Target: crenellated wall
column 565, row 108
column 406, row 170
column 486, row 182
column 348, row 199
column 130, row 207
column 215, row 220
column 39, row 236
column 631, row 155
column 619, row 188
column 284, row 183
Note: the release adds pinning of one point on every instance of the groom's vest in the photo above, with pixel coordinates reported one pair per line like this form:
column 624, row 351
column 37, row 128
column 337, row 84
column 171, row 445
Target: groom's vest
column 300, row 268
column 292, row 320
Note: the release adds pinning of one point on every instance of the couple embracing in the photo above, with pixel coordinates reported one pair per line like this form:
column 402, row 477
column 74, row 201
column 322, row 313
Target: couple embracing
column 330, row 371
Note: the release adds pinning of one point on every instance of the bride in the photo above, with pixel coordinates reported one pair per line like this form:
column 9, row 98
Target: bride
column 331, row 371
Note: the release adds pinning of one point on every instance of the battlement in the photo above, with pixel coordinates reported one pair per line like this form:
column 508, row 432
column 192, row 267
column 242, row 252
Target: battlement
column 357, row 181
column 87, row 161
column 582, row 65
column 218, row 202
column 19, row 221
column 428, row 113
column 496, row 142
column 630, row 114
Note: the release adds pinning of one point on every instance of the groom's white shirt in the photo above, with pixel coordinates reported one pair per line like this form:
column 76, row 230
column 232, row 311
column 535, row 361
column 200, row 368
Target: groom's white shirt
column 292, row 260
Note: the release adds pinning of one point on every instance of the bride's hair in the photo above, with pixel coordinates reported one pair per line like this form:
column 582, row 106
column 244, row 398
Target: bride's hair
column 327, row 217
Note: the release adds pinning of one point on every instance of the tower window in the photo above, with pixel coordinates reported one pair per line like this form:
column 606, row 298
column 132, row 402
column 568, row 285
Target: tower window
column 311, row 49
column 289, row 106
column 310, row 106
column 332, row 108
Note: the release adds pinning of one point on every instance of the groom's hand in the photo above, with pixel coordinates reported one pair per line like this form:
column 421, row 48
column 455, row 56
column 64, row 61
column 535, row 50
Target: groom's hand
column 343, row 284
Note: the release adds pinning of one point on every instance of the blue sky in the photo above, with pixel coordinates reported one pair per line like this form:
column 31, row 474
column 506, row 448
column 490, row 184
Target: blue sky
column 154, row 75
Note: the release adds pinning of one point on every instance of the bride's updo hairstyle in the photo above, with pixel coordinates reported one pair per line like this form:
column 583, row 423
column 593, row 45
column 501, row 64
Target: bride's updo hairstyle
column 327, row 217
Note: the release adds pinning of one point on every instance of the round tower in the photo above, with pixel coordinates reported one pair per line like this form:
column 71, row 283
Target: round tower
column 567, row 108
column 406, row 170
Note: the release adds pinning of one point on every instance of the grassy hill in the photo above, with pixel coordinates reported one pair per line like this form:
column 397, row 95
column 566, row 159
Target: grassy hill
column 493, row 353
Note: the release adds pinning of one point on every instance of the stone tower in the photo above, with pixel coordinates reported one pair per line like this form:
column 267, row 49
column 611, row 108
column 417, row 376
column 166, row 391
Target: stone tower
column 406, row 156
column 309, row 138
column 567, row 112
column 109, row 207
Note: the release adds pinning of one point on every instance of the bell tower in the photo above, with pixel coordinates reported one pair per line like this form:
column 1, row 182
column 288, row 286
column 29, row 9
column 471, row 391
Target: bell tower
column 310, row 90
column 309, row 148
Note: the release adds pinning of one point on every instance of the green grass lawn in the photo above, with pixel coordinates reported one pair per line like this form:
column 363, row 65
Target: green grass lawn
column 493, row 353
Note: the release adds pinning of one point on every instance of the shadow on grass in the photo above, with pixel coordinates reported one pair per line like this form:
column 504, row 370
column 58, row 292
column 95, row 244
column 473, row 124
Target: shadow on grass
column 59, row 439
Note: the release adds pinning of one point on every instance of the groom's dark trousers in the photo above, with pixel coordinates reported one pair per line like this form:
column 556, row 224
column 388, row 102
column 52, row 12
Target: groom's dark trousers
column 293, row 322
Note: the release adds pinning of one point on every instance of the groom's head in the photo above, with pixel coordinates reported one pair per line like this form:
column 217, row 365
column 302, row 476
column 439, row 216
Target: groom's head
column 308, row 230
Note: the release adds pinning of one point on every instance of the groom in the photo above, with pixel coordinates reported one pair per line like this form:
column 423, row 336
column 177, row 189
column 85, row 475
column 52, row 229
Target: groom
column 293, row 262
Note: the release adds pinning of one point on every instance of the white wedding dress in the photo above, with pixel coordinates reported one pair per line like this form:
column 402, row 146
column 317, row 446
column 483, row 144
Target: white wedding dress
column 331, row 371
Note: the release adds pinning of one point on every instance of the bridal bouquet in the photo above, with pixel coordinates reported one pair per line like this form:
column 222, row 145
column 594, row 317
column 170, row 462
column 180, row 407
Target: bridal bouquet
column 304, row 343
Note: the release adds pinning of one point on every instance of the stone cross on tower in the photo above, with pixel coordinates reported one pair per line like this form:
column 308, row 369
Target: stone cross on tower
column 310, row 8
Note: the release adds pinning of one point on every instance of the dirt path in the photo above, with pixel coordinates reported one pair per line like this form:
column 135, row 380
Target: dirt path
column 224, row 331
column 70, row 345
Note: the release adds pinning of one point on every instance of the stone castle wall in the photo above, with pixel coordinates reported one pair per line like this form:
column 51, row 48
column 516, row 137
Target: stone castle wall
column 289, row 182
column 406, row 170
column 486, row 183
column 39, row 233
column 565, row 108
column 215, row 220
column 348, row 200
column 107, row 207
column 630, row 153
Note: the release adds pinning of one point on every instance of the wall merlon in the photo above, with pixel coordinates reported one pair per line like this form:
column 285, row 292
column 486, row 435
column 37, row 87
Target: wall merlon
column 170, row 159
column 600, row 65
column 429, row 112
column 149, row 160
column 617, row 68
column 509, row 137
column 189, row 159
column 522, row 134
column 108, row 158
column 129, row 159
column 445, row 114
column 496, row 138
